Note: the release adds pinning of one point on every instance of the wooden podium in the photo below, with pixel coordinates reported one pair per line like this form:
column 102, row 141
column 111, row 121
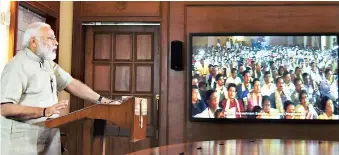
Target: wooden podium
column 131, row 113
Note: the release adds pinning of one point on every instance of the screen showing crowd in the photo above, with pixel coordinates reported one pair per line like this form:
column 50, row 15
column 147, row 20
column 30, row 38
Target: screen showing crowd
column 265, row 77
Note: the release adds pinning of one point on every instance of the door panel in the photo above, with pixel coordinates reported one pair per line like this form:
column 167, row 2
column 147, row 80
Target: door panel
column 123, row 61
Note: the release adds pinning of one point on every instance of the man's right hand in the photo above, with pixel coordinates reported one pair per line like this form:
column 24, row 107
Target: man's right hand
column 56, row 108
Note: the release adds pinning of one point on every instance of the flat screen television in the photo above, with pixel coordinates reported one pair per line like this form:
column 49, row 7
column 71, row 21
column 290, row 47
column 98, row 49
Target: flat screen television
column 263, row 77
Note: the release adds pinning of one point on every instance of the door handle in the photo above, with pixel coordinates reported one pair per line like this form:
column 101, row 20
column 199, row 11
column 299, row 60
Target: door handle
column 157, row 97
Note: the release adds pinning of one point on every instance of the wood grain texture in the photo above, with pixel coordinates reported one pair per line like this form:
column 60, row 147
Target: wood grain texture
column 12, row 38
column 176, row 79
column 246, row 146
column 144, row 47
column 123, row 78
column 123, row 44
column 44, row 8
column 143, row 78
column 125, row 9
column 262, row 19
column 122, row 115
column 102, row 78
column 163, row 63
column 103, row 46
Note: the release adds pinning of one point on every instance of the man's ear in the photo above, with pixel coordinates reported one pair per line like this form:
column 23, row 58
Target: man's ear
column 33, row 42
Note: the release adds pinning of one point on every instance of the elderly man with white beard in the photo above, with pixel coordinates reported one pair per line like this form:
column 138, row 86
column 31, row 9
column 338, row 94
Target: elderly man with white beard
column 29, row 86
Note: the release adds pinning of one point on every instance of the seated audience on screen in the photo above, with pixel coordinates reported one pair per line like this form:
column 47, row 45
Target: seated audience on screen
column 328, row 109
column 311, row 88
column 297, row 73
column 283, row 72
column 211, row 100
column 279, row 96
column 289, row 86
column 329, row 86
column 299, row 112
column 289, row 110
column 220, row 88
column 211, row 78
column 310, row 112
column 256, row 111
column 219, row 113
column 268, row 112
column 243, row 89
column 233, row 79
column 202, row 89
column 268, row 87
column 298, row 87
column 254, row 98
column 232, row 106
column 198, row 105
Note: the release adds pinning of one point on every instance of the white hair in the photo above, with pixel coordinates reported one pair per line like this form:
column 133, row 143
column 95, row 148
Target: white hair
column 32, row 31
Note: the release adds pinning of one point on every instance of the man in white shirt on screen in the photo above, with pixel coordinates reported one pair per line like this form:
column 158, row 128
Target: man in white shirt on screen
column 268, row 88
column 233, row 79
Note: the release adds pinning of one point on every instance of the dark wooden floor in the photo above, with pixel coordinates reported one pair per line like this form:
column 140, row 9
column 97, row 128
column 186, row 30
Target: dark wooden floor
column 247, row 147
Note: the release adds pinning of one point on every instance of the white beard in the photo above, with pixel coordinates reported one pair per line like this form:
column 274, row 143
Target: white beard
column 44, row 53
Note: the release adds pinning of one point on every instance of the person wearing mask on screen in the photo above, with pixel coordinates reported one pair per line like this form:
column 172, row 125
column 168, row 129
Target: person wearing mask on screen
column 29, row 85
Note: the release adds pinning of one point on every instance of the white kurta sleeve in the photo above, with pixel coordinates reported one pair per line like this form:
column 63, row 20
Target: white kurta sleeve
column 13, row 84
column 62, row 77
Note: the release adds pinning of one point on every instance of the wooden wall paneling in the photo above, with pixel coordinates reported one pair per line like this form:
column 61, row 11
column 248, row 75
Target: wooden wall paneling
column 102, row 51
column 164, row 52
column 123, row 45
column 308, row 18
column 124, row 9
column 14, row 7
column 144, row 42
column 123, row 72
column 44, row 8
column 144, row 75
column 176, row 79
column 77, row 71
column 102, row 78
column 258, row 3
column 125, row 19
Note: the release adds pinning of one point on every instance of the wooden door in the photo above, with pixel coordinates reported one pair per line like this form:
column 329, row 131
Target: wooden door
column 123, row 61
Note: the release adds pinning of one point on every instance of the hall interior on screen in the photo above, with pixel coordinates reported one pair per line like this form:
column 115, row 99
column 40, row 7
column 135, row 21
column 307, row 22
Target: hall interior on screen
column 209, row 77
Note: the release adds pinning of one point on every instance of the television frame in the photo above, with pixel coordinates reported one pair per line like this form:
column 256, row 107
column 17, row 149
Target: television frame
column 246, row 120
